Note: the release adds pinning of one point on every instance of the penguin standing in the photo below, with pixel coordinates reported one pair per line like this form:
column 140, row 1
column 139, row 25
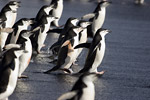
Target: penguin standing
column 97, row 17
column 25, row 57
column 4, row 34
column 68, row 25
column 11, row 16
column 67, row 53
column 96, row 52
column 83, row 34
column 56, row 11
column 9, row 72
column 83, row 89
column 20, row 25
column 39, row 37
column 8, row 14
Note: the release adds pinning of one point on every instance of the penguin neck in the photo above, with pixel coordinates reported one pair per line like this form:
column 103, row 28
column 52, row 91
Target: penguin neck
column 46, row 11
column 60, row 1
column 103, row 10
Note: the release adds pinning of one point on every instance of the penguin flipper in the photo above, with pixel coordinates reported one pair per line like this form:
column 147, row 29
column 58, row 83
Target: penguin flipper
column 67, row 95
column 88, row 16
column 86, row 45
column 8, row 30
column 56, row 44
column 55, row 31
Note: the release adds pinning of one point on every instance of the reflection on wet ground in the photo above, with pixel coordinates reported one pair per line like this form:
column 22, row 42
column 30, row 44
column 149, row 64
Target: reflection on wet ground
column 126, row 60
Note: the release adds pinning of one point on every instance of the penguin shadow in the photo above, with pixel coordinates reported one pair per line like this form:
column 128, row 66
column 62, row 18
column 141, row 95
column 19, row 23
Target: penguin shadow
column 43, row 57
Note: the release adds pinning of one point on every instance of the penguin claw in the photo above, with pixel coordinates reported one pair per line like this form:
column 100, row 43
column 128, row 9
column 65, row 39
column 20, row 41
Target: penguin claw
column 67, row 71
column 47, row 72
column 101, row 72
column 22, row 76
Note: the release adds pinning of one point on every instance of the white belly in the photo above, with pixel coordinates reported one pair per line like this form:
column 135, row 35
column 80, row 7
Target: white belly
column 97, row 23
column 98, row 58
column 89, row 92
column 25, row 58
column 12, row 82
column 4, row 36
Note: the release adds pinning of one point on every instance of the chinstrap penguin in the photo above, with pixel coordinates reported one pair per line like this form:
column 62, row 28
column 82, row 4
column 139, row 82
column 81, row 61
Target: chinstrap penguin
column 96, row 52
column 83, row 89
column 9, row 72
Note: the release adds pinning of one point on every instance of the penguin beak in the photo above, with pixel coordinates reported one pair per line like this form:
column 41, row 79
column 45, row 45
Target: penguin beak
column 107, row 3
column 109, row 31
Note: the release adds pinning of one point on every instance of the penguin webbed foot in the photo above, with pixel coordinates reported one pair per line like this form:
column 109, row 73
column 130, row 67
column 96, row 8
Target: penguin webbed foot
column 67, row 71
column 101, row 73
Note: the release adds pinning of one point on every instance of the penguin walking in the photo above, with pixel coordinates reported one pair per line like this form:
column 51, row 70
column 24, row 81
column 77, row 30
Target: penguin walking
column 83, row 34
column 38, row 38
column 71, row 22
column 67, row 53
column 25, row 57
column 96, row 52
column 97, row 17
column 20, row 25
column 56, row 11
column 83, row 89
column 8, row 15
column 4, row 34
column 9, row 72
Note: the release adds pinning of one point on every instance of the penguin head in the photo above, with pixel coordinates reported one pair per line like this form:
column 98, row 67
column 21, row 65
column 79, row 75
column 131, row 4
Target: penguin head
column 24, row 35
column 13, row 7
column 77, row 29
column 84, row 23
column 27, row 22
column 74, row 21
column 103, row 32
column 48, row 8
column 104, row 3
column 14, row 2
column 71, row 22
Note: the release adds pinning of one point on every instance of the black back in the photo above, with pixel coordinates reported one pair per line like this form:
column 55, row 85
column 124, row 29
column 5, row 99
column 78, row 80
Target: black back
column 92, row 51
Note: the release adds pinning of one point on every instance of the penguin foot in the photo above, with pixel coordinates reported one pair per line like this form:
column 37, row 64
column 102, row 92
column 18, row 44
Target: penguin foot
column 43, row 45
column 67, row 71
column 22, row 76
column 47, row 72
column 100, row 73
